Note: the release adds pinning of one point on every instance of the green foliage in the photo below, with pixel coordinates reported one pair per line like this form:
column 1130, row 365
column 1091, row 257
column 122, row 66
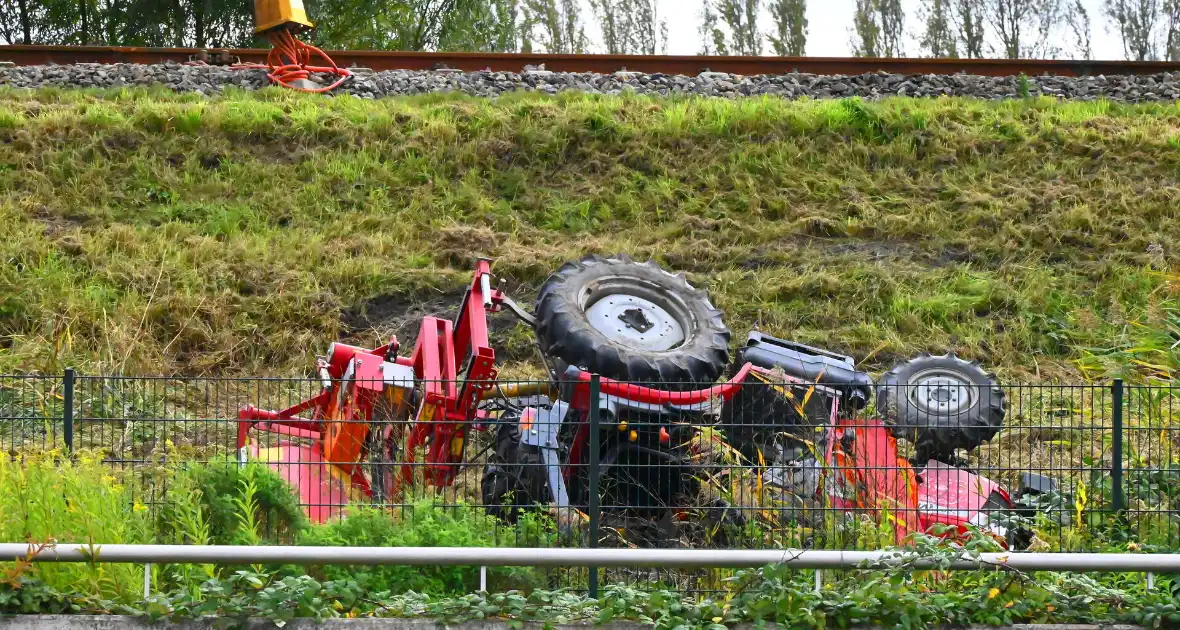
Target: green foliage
column 461, row 25
column 877, row 29
column 46, row 497
column 556, row 25
column 896, row 592
column 789, row 37
column 741, row 23
column 427, row 524
column 939, row 38
column 630, row 27
column 128, row 23
column 223, row 503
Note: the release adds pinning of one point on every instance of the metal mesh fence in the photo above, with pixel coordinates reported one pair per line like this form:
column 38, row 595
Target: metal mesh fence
column 767, row 463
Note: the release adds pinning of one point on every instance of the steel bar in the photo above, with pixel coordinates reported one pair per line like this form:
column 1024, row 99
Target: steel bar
column 595, row 479
column 668, row 64
column 67, row 405
column 527, row 556
column 1116, row 447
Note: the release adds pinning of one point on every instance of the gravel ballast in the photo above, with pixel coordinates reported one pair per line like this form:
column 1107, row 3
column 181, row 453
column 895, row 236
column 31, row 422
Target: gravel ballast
column 213, row 79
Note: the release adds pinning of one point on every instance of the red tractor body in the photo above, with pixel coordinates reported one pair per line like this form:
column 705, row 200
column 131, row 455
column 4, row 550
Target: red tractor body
column 360, row 437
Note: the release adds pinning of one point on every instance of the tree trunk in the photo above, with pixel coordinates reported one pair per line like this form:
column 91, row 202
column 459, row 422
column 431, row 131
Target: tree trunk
column 178, row 23
column 199, row 12
column 26, row 24
column 84, row 36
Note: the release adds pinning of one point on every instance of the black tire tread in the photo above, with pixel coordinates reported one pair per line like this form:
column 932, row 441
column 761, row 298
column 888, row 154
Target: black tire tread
column 941, row 435
column 565, row 333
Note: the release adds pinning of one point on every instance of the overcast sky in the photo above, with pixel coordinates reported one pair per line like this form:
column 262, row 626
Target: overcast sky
column 828, row 28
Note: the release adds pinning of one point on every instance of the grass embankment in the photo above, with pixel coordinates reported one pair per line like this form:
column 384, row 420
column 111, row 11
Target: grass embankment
column 154, row 233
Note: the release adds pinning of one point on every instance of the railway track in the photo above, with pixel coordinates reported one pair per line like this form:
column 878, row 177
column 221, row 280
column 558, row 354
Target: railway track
column 602, row 64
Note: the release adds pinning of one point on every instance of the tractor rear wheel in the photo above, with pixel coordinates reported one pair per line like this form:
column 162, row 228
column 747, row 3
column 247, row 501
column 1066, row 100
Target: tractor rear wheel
column 941, row 404
column 631, row 321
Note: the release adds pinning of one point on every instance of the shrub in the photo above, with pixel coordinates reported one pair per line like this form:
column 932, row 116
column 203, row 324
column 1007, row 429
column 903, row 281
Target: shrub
column 47, row 497
column 426, row 524
column 224, row 503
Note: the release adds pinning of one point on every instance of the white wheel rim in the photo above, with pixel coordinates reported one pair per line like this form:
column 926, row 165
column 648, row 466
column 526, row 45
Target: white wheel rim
column 942, row 392
column 635, row 322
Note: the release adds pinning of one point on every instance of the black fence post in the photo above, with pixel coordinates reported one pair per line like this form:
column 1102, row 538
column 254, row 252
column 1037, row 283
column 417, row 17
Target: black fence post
column 67, row 402
column 595, row 447
column 1116, row 459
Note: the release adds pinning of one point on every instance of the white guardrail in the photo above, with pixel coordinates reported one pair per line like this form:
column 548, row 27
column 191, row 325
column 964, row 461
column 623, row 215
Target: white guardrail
column 523, row 556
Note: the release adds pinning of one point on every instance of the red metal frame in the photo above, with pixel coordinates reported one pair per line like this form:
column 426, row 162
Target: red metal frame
column 445, row 412
column 638, row 393
column 648, row 395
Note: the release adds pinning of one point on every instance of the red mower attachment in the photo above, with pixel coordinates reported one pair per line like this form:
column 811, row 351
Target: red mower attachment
column 368, row 396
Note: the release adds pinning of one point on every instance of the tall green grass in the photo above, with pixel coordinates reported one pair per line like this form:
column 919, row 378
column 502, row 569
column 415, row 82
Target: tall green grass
column 48, row 497
column 45, row 497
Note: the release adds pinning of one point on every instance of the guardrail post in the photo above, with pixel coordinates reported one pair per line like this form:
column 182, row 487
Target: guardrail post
column 594, row 448
column 1116, row 460
column 67, row 416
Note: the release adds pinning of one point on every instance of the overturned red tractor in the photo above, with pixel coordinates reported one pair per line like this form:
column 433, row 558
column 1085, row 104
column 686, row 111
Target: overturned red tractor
column 657, row 349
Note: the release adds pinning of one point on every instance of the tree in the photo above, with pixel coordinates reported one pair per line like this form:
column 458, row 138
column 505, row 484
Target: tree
column 1046, row 18
column 1024, row 27
column 866, row 41
column 556, row 25
column 482, row 25
column 630, row 26
column 17, row 19
column 1078, row 20
column 491, row 26
column 968, row 20
column 712, row 37
column 938, row 39
column 503, row 30
column 1136, row 22
column 892, row 28
column 198, row 23
column 740, row 35
column 789, row 38
column 741, row 20
column 1172, row 24
column 878, row 29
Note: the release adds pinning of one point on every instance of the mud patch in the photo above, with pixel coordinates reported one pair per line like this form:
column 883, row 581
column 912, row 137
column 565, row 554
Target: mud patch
column 872, row 250
column 371, row 322
column 54, row 224
column 396, row 314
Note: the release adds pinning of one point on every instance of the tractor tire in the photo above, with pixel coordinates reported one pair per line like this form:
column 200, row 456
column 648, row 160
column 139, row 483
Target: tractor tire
column 941, row 404
column 514, row 479
column 633, row 322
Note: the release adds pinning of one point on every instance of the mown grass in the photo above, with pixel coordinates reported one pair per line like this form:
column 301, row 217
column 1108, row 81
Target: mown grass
column 157, row 233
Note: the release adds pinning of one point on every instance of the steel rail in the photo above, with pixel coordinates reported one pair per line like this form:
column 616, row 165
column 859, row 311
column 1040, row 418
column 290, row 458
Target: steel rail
column 604, row 64
column 507, row 556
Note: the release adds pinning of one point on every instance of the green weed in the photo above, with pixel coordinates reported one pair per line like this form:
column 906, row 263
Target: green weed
column 223, row 503
column 45, row 497
column 427, row 524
